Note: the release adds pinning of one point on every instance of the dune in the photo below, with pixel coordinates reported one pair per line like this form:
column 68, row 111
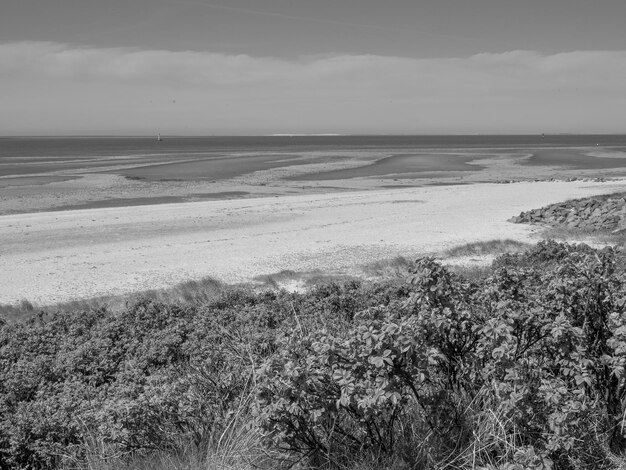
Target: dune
column 54, row 257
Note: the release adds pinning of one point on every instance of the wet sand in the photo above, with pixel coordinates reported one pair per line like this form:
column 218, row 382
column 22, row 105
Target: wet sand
column 214, row 168
column 66, row 182
column 29, row 181
column 578, row 159
column 403, row 166
column 145, row 201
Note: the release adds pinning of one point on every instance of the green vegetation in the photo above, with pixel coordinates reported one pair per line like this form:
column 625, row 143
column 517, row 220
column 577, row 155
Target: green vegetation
column 190, row 292
column 523, row 368
column 390, row 268
column 491, row 247
column 596, row 237
column 301, row 280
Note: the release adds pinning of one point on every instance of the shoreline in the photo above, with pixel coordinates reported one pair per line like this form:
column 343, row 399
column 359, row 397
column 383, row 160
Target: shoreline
column 31, row 183
column 58, row 256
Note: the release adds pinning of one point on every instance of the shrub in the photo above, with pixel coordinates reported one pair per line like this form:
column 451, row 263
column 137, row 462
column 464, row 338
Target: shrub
column 545, row 345
column 522, row 369
column 154, row 376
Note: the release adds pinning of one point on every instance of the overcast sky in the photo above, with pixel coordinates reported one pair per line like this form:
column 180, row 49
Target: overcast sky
column 312, row 66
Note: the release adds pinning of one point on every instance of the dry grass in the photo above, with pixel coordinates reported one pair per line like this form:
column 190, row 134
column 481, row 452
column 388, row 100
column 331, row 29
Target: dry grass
column 239, row 446
column 11, row 313
column 241, row 451
column 208, row 289
column 389, row 268
column 297, row 280
column 195, row 292
column 191, row 292
column 473, row 260
column 589, row 236
column 471, row 272
column 491, row 247
column 494, row 442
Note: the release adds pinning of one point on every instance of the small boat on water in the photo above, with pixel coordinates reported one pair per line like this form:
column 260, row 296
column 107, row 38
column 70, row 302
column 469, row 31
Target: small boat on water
column 159, row 138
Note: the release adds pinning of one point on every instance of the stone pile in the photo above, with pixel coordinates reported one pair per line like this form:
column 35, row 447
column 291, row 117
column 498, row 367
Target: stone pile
column 567, row 180
column 595, row 213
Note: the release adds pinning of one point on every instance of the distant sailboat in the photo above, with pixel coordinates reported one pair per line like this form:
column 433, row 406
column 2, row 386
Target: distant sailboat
column 159, row 138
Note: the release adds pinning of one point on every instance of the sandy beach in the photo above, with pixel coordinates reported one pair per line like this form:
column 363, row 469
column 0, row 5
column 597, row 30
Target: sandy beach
column 59, row 256
column 99, row 217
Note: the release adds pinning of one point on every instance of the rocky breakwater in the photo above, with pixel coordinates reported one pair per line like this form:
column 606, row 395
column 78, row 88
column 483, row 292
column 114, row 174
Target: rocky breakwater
column 599, row 213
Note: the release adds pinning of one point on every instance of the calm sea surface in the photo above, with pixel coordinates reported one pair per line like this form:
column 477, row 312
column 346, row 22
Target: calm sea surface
column 27, row 156
column 53, row 148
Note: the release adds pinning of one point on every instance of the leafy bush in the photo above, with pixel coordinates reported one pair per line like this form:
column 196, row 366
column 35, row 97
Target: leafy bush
column 151, row 377
column 522, row 369
column 545, row 343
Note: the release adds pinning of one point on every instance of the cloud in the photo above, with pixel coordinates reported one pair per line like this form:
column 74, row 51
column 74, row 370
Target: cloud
column 346, row 86
column 55, row 60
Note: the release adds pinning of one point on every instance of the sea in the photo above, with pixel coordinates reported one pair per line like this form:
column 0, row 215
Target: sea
column 23, row 156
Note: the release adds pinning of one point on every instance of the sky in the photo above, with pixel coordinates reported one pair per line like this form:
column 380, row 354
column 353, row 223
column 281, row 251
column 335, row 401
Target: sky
column 195, row 67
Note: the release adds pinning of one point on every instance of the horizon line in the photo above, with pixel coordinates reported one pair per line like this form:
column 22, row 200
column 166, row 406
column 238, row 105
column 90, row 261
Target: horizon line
column 356, row 134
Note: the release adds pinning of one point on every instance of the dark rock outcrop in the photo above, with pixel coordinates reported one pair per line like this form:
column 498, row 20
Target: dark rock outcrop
column 599, row 213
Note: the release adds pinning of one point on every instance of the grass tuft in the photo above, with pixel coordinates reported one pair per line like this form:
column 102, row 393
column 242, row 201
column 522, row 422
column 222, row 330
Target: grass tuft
column 197, row 292
column 472, row 273
column 491, row 247
column 589, row 236
column 297, row 280
column 389, row 268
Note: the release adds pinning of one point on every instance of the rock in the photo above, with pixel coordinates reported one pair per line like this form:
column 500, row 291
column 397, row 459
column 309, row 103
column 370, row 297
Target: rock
column 592, row 213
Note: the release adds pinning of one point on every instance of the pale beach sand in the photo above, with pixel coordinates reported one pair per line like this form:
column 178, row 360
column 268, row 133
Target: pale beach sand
column 58, row 256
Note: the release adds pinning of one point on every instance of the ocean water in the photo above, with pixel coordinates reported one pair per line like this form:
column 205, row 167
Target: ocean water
column 188, row 157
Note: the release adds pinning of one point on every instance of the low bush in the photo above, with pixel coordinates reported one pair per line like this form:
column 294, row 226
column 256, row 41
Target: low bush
column 152, row 377
column 542, row 345
column 523, row 368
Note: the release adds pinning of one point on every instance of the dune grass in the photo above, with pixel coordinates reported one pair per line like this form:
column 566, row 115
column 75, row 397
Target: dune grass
column 590, row 236
column 240, row 447
column 393, row 267
column 11, row 313
column 296, row 280
column 474, row 272
column 491, row 247
column 473, row 260
column 205, row 290
column 193, row 292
